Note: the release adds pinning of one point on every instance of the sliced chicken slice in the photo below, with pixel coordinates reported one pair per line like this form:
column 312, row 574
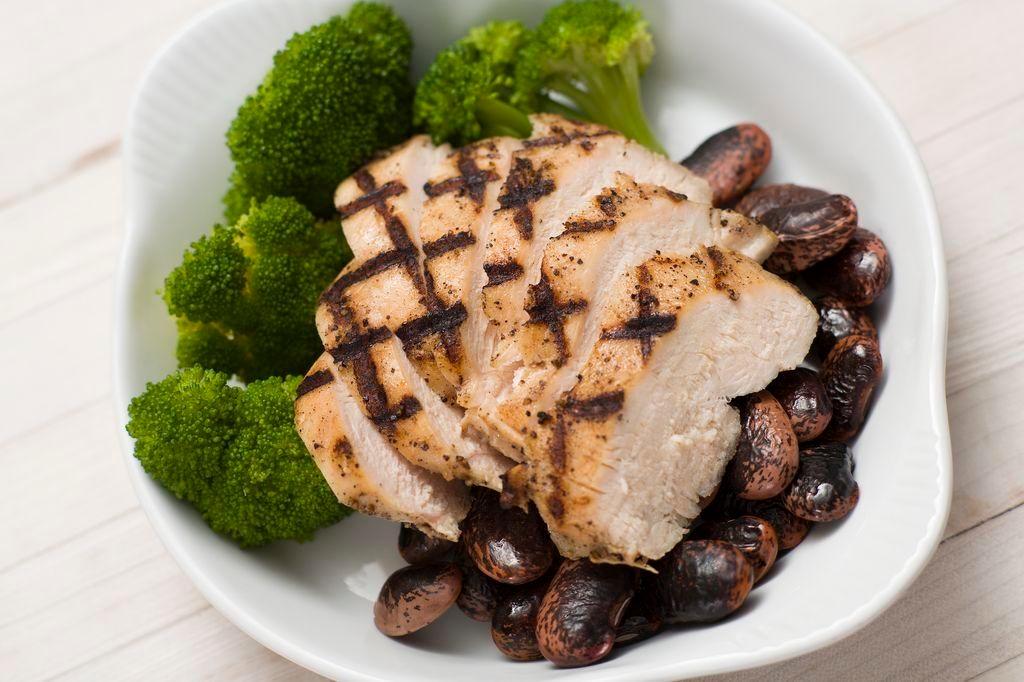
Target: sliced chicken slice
column 381, row 317
column 619, row 465
column 551, row 178
column 363, row 470
column 624, row 225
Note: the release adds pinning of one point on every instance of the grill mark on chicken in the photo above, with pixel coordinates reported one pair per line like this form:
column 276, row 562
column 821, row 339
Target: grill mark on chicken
column 438, row 322
column 582, row 226
column 501, row 272
column 448, row 243
column 720, row 272
column 648, row 323
column 546, row 309
column 312, row 382
column 525, row 184
column 560, row 136
column 355, row 351
column 370, row 268
column 374, row 195
column 472, row 180
column 595, row 408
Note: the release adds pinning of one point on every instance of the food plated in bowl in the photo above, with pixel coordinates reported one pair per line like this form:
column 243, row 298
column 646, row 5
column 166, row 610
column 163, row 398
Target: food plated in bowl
column 334, row 586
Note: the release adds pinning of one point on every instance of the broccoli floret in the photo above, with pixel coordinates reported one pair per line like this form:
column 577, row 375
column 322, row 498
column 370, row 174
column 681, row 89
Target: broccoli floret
column 592, row 53
column 246, row 295
column 335, row 94
column 234, row 454
column 467, row 92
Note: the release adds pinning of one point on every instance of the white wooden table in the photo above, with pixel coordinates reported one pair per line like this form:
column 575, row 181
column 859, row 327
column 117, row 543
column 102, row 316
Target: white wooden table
column 88, row 592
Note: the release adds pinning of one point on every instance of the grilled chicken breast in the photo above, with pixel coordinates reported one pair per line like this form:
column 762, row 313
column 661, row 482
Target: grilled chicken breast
column 623, row 225
column 620, row 461
column 381, row 319
column 551, row 178
column 362, row 468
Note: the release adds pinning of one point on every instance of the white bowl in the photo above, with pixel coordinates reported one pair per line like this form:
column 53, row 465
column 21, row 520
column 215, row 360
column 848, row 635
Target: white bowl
column 718, row 62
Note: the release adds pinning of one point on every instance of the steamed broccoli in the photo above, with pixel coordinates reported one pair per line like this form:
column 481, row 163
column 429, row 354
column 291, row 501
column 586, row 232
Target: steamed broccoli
column 592, row 53
column 336, row 94
column 246, row 295
column 467, row 93
column 234, row 454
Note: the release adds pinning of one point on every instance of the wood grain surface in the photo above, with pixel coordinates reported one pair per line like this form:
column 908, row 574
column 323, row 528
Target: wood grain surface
column 88, row 592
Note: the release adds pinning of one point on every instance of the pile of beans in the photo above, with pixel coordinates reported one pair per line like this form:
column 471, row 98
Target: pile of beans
column 793, row 465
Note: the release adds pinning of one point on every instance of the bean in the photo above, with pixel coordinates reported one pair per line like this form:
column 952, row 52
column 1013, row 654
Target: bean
column 731, row 161
column 509, row 545
column 802, row 395
column 514, row 625
column 766, row 455
column 641, row 620
column 759, row 201
column 809, row 232
column 837, row 320
column 790, row 529
column 416, row 547
column 753, row 536
column 415, row 596
column 851, row 372
column 858, row 274
column 702, row 581
column 824, row 488
column 479, row 596
column 581, row 611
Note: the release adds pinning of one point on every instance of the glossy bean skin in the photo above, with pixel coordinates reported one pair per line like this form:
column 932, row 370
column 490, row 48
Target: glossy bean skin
column 802, row 395
column 752, row 535
column 851, row 372
column 582, row 610
column 824, row 488
column 836, row 321
column 766, row 455
column 480, row 595
column 809, row 232
column 701, row 581
column 731, row 161
column 757, row 202
column 858, row 274
column 416, row 547
column 790, row 529
column 514, row 624
column 511, row 546
column 415, row 596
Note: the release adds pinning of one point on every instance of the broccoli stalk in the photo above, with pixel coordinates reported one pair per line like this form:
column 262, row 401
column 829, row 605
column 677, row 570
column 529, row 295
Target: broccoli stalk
column 591, row 53
column 336, row 94
column 467, row 93
column 234, row 454
column 245, row 296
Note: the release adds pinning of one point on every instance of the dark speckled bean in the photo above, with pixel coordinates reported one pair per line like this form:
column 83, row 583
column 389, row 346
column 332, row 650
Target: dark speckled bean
column 509, row 545
column 479, row 595
column 416, row 547
column 856, row 275
column 766, row 455
column 514, row 625
column 790, row 529
column 731, row 161
column 824, row 488
column 702, row 581
column 850, row 374
column 581, row 611
column 752, row 535
column 415, row 596
column 642, row 619
column 802, row 395
column 759, row 201
column 809, row 232
column 837, row 320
